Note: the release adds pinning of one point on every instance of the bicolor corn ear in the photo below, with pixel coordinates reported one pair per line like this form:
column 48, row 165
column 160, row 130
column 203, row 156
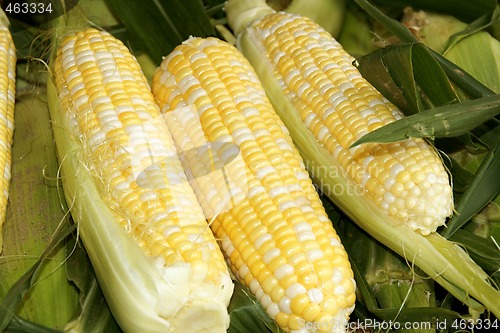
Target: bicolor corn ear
column 406, row 180
column 275, row 234
column 168, row 267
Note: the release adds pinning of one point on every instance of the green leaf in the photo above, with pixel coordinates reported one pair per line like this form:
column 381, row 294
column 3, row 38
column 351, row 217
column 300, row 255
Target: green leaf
column 159, row 26
column 461, row 176
column 396, row 28
column 329, row 14
column 95, row 315
column 483, row 247
column 98, row 13
column 479, row 24
column 481, row 190
column 431, row 77
column 458, row 76
column 463, row 80
column 445, row 121
column 403, row 73
column 247, row 315
column 19, row 325
column 488, row 133
column 478, row 55
column 377, row 68
column 34, row 214
column 15, row 294
column 356, row 35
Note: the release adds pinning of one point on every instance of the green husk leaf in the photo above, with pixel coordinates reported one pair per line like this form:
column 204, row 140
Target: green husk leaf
column 443, row 33
column 34, row 214
column 19, row 325
column 484, row 251
column 98, row 13
column 396, row 28
column 461, row 176
column 327, row 13
column 470, row 47
column 247, row 315
column 409, row 76
column 457, row 75
column 435, row 30
column 470, row 154
column 14, row 296
column 445, row 121
column 480, row 191
column 159, row 26
column 479, row 24
column 95, row 315
column 478, row 55
column 356, row 33
column 462, row 79
column 376, row 68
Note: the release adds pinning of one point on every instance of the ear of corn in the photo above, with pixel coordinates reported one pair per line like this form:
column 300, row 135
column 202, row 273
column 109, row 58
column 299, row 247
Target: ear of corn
column 155, row 257
column 7, row 99
column 324, row 139
column 276, row 235
column 405, row 179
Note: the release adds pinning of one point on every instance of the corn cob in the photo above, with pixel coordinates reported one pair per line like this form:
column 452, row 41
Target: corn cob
column 7, row 100
column 442, row 260
column 277, row 237
column 406, row 179
column 162, row 269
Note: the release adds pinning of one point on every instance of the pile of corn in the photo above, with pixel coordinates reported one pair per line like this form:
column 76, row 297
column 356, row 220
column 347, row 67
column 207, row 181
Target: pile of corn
column 203, row 176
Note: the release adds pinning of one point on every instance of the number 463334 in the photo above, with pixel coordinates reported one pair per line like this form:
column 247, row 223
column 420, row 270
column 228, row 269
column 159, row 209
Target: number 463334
column 471, row 324
column 28, row 7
